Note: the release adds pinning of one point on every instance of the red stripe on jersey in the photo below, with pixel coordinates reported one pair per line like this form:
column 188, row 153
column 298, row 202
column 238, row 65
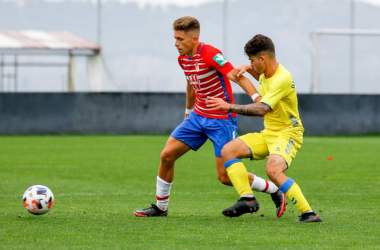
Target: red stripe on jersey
column 208, row 78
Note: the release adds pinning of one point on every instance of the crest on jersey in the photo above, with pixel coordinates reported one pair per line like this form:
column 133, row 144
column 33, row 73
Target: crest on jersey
column 218, row 58
column 193, row 80
column 196, row 67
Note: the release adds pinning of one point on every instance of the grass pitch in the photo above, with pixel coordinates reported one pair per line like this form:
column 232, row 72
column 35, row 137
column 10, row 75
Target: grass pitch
column 98, row 181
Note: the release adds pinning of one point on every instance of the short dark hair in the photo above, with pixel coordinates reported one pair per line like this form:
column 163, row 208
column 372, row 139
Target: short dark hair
column 259, row 43
column 187, row 23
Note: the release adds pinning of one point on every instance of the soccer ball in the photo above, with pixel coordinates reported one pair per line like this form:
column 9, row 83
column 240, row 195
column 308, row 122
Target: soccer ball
column 38, row 199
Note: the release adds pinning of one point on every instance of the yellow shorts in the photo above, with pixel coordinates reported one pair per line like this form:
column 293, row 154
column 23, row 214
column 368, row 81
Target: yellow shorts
column 285, row 143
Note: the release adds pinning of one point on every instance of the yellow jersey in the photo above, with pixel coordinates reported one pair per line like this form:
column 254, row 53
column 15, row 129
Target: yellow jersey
column 279, row 93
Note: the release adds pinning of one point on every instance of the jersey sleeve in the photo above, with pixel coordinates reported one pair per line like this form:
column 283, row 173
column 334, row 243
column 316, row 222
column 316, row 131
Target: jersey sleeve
column 216, row 60
column 278, row 89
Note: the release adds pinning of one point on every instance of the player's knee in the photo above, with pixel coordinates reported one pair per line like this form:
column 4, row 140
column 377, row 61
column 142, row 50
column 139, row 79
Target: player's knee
column 167, row 156
column 228, row 152
column 272, row 172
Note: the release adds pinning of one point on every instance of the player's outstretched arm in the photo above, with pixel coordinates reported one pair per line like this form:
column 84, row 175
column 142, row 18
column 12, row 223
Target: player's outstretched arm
column 240, row 70
column 255, row 109
column 245, row 84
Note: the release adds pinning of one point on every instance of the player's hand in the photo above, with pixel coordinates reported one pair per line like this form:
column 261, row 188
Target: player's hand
column 235, row 73
column 217, row 104
column 240, row 70
column 186, row 115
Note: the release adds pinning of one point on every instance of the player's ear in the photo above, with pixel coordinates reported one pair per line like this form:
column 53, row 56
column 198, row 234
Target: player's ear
column 263, row 57
column 195, row 39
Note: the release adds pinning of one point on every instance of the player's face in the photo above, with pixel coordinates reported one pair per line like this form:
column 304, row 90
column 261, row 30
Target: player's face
column 185, row 42
column 258, row 64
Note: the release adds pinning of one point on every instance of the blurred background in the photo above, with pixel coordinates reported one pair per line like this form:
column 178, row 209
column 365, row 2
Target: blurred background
column 312, row 39
column 110, row 66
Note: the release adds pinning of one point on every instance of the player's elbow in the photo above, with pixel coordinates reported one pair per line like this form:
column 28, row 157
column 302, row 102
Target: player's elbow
column 261, row 113
column 263, row 109
column 235, row 80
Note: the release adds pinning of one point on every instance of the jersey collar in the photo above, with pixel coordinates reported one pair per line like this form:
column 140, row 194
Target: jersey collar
column 199, row 49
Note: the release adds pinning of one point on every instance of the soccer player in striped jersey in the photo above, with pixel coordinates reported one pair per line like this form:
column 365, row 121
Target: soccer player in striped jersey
column 208, row 73
column 282, row 135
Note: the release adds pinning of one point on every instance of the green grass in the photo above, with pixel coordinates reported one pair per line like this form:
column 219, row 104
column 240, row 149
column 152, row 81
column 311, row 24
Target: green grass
column 98, row 181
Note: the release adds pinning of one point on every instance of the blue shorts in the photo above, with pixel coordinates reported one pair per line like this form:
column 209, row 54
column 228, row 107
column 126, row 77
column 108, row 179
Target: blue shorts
column 196, row 129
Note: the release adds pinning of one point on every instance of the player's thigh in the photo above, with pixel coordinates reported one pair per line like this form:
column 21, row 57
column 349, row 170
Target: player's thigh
column 284, row 143
column 174, row 149
column 236, row 149
column 256, row 144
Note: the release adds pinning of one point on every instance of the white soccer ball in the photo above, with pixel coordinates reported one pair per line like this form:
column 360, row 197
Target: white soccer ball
column 38, row 199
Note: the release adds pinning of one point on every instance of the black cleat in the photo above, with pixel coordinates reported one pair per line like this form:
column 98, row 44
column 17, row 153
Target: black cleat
column 280, row 201
column 242, row 206
column 150, row 212
column 310, row 217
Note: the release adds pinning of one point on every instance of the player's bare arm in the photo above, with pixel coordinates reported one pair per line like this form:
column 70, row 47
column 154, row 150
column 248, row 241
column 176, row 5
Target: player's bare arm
column 253, row 73
column 244, row 83
column 240, row 70
column 190, row 99
column 255, row 109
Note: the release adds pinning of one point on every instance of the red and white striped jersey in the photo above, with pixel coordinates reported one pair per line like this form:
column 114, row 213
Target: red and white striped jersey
column 207, row 72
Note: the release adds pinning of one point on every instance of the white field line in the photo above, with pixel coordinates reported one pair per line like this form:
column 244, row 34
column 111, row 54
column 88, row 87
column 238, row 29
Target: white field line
column 111, row 193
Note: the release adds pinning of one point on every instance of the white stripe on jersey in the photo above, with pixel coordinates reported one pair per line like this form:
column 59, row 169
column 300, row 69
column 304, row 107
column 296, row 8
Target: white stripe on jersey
column 189, row 65
column 207, row 93
column 197, row 108
column 194, row 70
column 207, row 74
column 209, row 86
column 209, row 81
column 205, row 98
column 205, row 109
column 192, row 59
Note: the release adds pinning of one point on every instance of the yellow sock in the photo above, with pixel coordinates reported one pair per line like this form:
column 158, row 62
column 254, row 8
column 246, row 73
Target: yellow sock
column 239, row 176
column 294, row 194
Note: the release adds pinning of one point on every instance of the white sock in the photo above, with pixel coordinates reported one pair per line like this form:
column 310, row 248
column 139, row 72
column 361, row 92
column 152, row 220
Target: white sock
column 247, row 196
column 262, row 185
column 162, row 194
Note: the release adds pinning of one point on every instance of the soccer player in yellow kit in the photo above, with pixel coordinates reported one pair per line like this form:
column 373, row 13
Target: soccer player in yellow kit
column 278, row 142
